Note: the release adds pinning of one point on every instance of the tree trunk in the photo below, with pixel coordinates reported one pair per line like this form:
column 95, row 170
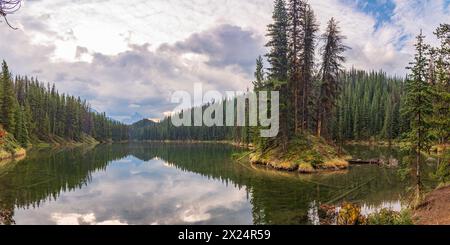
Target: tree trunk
column 296, row 108
column 319, row 126
column 418, row 179
column 305, row 124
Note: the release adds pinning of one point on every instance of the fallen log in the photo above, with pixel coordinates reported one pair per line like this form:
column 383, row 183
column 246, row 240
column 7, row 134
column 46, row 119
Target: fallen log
column 360, row 162
column 339, row 197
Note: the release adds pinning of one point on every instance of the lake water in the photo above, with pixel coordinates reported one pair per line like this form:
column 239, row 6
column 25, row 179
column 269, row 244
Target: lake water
column 181, row 184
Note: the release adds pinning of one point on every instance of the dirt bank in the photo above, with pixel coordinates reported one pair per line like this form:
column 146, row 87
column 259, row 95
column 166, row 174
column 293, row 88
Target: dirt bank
column 435, row 210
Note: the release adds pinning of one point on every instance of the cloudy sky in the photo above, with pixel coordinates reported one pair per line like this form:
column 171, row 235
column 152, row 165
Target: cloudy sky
column 126, row 57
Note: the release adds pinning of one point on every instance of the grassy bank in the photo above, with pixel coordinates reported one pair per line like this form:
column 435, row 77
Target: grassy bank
column 228, row 142
column 56, row 141
column 9, row 148
column 305, row 154
column 437, row 149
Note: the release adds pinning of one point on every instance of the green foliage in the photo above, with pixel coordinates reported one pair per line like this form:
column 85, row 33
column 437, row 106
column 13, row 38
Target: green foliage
column 331, row 67
column 350, row 214
column 389, row 217
column 440, row 65
column 368, row 107
column 404, row 170
column 292, row 38
column 7, row 100
column 8, row 145
column 442, row 174
column 32, row 111
column 278, row 42
column 305, row 153
column 21, row 133
column 418, row 100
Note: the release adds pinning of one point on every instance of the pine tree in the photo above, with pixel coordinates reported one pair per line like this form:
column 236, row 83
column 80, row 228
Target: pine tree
column 278, row 59
column 21, row 129
column 418, row 105
column 259, row 82
column 258, row 85
column 278, row 43
column 8, row 100
column 310, row 28
column 295, row 31
column 28, row 121
column 331, row 68
column 388, row 128
column 441, row 81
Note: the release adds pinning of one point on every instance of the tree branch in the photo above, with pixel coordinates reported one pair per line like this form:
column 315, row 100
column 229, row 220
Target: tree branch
column 9, row 7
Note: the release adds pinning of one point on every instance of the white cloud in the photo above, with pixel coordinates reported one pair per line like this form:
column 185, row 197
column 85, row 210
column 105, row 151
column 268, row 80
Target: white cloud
column 122, row 53
column 80, row 219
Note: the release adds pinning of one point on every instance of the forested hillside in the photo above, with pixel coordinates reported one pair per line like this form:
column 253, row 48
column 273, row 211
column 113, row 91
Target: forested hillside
column 34, row 112
column 318, row 97
column 329, row 102
column 368, row 107
column 321, row 103
column 307, row 96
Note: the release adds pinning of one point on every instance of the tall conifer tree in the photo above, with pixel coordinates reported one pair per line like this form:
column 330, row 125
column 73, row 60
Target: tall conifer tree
column 278, row 59
column 8, row 100
column 331, row 67
column 418, row 105
column 310, row 28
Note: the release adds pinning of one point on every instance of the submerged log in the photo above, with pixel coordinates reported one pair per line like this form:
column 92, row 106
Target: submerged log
column 371, row 161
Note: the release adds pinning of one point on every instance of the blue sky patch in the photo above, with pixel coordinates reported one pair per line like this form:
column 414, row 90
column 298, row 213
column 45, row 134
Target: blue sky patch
column 382, row 10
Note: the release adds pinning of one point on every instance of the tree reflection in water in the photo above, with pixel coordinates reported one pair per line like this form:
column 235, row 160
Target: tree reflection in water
column 275, row 197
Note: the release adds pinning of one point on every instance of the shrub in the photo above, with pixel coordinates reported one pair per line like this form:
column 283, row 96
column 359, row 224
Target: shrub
column 2, row 135
column 389, row 217
column 350, row 214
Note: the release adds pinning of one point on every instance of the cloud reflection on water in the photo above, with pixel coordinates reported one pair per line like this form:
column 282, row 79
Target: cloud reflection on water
column 131, row 191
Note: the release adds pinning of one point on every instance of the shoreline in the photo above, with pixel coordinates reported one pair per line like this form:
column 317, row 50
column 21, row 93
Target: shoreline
column 190, row 142
column 435, row 209
column 18, row 153
column 305, row 154
column 330, row 166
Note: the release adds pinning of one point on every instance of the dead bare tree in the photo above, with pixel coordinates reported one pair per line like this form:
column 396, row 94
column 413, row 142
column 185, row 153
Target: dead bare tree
column 9, row 7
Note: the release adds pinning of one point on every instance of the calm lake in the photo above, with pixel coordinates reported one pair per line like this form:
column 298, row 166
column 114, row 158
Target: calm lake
column 182, row 184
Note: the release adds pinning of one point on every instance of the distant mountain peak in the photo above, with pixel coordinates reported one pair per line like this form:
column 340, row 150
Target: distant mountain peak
column 144, row 123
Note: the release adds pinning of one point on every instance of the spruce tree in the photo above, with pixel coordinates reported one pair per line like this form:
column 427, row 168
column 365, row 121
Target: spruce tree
column 259, row 82
column 258, row 85
column 21, row 129
column 8, row 100
column 296, row 12
column 278, row 43
column 418, row 106
column 307, row 57
column 441, row 103
column 388, row 128
column 331, row 67
column 278, row 59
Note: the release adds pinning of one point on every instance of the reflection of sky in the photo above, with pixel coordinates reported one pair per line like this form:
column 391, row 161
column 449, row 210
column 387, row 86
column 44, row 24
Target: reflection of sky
column 131, row 191
column 366, row 210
